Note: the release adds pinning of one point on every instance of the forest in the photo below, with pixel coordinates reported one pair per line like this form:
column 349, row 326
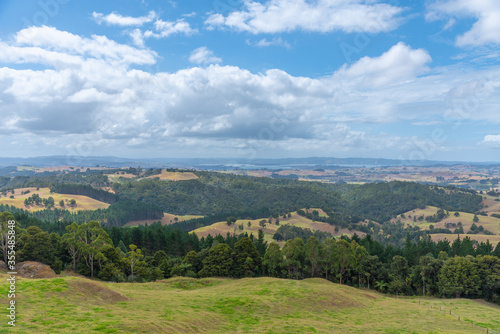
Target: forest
column 147, row 253
column 219, row 195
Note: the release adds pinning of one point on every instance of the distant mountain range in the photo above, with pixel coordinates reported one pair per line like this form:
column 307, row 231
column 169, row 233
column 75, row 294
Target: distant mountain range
column 222, row 163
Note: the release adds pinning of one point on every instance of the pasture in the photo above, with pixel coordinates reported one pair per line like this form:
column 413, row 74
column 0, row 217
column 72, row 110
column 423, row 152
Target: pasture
column 250, row 305
column 82, row 202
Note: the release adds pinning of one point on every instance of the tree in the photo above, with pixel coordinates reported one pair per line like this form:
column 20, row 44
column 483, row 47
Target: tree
column 344, row 258
column 193, row 260
column 328, row 256
column 475, row 219
column 230, row 220
column 293, row 254
column 70, row 239
column 218, row 262
column 260, row 243
column 273, row 260
column 91, row 239
column 61, row 203
column 134, row 257
column 246, row 258
column 313, row 253
column 489, row 271
column 459, row 276
column 426, row 270
column 263, row 223
column 359, row 256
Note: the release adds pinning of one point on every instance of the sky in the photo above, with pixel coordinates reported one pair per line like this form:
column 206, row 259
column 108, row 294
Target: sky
column 249, row 79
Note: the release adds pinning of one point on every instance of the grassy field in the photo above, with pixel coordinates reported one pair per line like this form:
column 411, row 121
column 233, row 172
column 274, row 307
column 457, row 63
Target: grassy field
column 297, row 220
column 166, row 220
column 490, row 223
column 82, row 202
column 174, row 176
column 251, row 305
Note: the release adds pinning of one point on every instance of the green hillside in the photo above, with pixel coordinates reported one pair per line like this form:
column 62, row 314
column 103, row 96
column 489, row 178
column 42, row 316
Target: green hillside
column 251, row 305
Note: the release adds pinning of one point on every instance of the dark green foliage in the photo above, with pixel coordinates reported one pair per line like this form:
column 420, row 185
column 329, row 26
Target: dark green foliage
column 246, row 259
column 458, row 277
column 218, row 262
column 85, row 190
column 287, row 232
column 121, row 212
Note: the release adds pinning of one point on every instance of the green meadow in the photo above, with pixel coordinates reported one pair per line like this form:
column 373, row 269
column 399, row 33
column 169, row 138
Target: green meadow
column 250, row 305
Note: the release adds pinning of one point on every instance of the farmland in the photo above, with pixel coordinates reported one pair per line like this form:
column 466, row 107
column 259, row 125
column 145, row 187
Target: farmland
column 82, row 202
column 269, row 230
column 464, row 219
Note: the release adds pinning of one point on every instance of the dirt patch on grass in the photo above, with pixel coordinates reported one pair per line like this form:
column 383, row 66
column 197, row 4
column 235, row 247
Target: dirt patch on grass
column 31, row 269
column 96, row 290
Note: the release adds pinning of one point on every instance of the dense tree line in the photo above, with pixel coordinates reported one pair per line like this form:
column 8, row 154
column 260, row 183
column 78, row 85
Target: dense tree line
column 461, row 268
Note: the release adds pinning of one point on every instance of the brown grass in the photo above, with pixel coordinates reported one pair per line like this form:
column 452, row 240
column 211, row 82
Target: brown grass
column 174, row 176
column 82, row 202
column 270, row 229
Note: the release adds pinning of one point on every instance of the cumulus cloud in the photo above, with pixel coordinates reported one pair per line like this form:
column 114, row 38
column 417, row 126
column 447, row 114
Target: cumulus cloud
column 276, row 16
column 90, row 90
column 399, row 64
column 49, row 45
column 492, row 140
column 203, row 55
column 162, row 29
column 123, row 21
column 484, row 30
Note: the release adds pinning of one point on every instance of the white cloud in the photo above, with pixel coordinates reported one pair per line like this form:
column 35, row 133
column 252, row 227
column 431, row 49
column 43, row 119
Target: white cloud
column 275, row 16
column 399, row 64
column 484, row 30
column 203, row 55
column 92, row 94
column 123, row 21
column 52, row 42
column 492, row 139
column 277, row 41
column 163, row 29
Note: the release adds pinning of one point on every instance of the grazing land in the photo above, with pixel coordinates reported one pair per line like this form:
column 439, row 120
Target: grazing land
column 250, row 305
column 223, row 228
column 467, row 219
column 174, row 176
column 82, row 202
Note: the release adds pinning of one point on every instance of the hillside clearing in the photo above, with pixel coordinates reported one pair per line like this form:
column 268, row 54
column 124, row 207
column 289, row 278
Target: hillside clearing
column 82, row 202
column 297, row 220
column 488, row 222
column 174, row 176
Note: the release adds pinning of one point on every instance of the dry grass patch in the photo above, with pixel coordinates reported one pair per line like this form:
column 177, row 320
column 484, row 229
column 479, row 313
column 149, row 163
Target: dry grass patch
column 82, row 202
column 174, row 176
column 297, row 220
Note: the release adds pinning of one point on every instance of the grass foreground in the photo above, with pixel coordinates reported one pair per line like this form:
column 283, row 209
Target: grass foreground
column 250, row 305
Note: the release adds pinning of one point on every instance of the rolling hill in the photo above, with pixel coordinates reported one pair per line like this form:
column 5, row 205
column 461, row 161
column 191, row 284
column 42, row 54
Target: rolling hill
column 251, row 305
column 270, row 229
column 82, row 202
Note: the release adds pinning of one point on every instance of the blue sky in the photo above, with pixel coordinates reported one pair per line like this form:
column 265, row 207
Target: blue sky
column 247, row 79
